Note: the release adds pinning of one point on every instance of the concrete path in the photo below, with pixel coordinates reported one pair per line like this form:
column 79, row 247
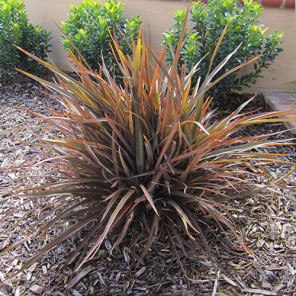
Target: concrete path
column 282, row 102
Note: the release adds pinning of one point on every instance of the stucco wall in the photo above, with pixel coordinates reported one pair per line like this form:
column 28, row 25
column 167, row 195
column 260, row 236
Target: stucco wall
column 281, row 76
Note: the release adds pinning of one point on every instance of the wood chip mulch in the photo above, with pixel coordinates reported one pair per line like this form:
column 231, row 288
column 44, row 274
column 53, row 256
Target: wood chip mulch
column 266, row 222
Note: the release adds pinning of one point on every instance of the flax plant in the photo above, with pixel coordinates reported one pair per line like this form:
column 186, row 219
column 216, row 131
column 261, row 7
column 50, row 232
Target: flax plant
column 147, row 151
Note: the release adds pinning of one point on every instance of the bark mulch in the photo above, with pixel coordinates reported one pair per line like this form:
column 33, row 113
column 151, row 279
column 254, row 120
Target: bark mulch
column 266, row 222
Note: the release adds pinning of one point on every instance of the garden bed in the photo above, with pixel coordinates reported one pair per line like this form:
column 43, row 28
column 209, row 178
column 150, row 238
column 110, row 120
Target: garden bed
column 267, row 223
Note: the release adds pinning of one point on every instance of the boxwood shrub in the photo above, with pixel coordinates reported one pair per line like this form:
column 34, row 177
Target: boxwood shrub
column 15, row 29
column 244, row 29
column 90, row 26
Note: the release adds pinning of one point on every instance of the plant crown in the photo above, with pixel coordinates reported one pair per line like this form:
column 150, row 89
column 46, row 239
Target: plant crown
column 145, row 155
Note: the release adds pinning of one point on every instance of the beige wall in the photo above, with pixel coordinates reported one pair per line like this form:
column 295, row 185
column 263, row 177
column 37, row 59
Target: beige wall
column 281, row 76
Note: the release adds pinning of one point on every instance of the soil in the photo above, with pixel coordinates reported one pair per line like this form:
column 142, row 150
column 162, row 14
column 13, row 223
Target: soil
column 266, row 222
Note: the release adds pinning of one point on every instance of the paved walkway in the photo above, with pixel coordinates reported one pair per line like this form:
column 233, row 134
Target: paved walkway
column 282, row 102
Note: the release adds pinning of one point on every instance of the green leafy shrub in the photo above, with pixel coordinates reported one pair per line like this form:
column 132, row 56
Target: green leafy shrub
column 15, row 29
column 89, row 28
column 208, row 21
column 146, row 152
